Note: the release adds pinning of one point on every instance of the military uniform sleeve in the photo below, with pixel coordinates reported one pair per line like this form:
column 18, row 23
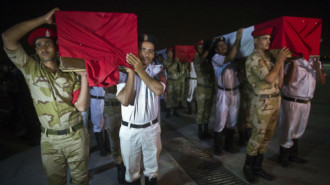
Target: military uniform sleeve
column 19, row 57
column 256, row 67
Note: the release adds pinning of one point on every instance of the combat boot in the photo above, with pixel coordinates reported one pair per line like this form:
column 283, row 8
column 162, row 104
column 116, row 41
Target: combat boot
column 206, row 134
column 136, row 182
column 152, row 181
column 284, row 157
column 229, row 140
column 107, row 142
column 242, row 136
column 257, row 168
column 248, row 169
column 100, row 143
column 294, row 153
column 175, row 112
column 218, row 143
column 200, row 131
column 121, row 173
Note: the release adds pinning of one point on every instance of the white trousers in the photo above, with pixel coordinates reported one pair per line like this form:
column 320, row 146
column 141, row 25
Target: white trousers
column 293, row 121
column 226, row 109
column 97, row 107
column 192, row 86
column 140, row 145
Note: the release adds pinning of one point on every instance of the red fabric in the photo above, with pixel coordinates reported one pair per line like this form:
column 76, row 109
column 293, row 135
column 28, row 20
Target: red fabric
column 41, row 33
column 300, row 35
column 75, row 96
column 259, row 32
column 184, row 53
column 101, row 39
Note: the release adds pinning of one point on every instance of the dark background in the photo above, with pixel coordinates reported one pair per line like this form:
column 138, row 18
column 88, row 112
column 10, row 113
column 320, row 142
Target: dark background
column 178, row 22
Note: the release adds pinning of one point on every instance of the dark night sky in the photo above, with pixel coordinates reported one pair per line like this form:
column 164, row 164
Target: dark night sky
column 179, row 22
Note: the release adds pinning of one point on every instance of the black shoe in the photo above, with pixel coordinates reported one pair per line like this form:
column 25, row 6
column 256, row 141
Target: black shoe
column 100, row 143
column 248, row 169
column 206, row 134
column 121, row 173
column 200, row 131
column 152, row 181
column 284, row 157
column 297, row 160
column 218, row 143
column 229, row 140
column 257, row 168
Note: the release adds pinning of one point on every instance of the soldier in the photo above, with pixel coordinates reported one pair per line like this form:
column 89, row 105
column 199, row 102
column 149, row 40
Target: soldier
column 173, row 69
column 139, row 92
column 57, row 96
column 112, row 122
column 227, row 93
column 204, row 89
column 266, row 78
column 298, row 89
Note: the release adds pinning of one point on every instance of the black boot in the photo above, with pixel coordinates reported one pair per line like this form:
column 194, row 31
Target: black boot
column 136, row 182
column 242, row 138
column 217, row 143
column 294, row 153
column 248, row 169
column 257, row 168
column 207, row 135
column 168, row 112
column 121, row 173
column 152, row 181
column 100, row 143
column 107, row 142
column 200, row 131
column 284, row 157
column 175, row 112
column 229, row 140
column 189, row 109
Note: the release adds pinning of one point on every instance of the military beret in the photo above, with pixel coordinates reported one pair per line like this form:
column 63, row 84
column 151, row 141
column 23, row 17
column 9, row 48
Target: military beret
column 147, row 38
column 199, row 42
column 220, row 39
column 41, row 33
column 262, row 31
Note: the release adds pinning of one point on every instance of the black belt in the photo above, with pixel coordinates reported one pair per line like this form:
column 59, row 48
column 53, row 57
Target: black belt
column 145, row 125
column 111, row 103
column 206, row 86
column 295, row 100
column 267, row 95
column 62, row 132
column 192, row 78
column 97, row 97
column 228, row 89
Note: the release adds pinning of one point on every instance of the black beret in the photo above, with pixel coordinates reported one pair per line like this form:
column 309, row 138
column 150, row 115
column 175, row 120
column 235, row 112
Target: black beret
column 147, row 38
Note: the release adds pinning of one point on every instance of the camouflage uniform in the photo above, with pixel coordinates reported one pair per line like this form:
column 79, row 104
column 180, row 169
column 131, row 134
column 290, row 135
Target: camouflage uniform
column 52, row 98
column 244, row 119
column 182, row 80
column 173, row 82
column 204, row 89
column 112, row 117
column 265, row 103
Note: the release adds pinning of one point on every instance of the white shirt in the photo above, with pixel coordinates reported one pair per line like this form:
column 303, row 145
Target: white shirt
column 226, row 74
column 146, row 103
column 304, row 83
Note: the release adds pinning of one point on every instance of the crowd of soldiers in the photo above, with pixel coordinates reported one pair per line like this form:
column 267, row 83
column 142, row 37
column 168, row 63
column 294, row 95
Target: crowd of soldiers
column 248, row 94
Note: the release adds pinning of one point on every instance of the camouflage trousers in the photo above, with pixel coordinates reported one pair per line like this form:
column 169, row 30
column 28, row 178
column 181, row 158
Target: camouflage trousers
column 266, row 112
column 204, row 102
column 182, row 89
column 60, row 151
column 112, row 122
column 173, row 93
column 244, row 119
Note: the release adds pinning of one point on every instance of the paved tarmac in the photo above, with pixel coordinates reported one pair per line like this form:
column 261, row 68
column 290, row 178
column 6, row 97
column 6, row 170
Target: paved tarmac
column 186, row 160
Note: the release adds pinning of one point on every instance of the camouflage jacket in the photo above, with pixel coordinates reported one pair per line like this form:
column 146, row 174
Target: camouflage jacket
column 257, row 67
column 204, row 71
column 173, row 71
column 51, row 93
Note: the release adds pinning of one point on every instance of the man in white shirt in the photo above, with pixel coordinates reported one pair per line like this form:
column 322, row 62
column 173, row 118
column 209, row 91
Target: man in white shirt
column 298, row 89
column 138, row 91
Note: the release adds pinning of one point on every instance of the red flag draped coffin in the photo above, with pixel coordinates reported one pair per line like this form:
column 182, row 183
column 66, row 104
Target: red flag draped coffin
column 101, row 39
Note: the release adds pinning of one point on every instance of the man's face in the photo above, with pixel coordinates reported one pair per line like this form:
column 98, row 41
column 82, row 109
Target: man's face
column 45, row 49
column 169, row 54
column 262, row 42
column 221, row 48
column 147, row 52
column 199, row 49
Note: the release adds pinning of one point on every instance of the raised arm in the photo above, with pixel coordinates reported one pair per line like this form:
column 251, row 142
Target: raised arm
column 126, row 95
column 154, row 85
column 320, row 78
column 235, row 47
column 12, row 35
column 84, row 98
